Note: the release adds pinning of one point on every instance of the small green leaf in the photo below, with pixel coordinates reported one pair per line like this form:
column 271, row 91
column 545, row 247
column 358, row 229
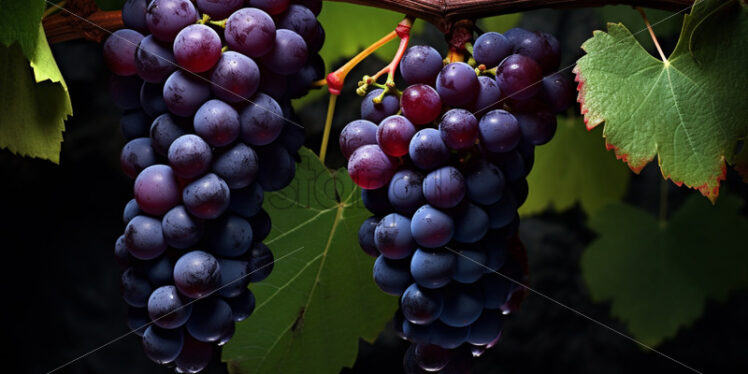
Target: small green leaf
column 319, row 301
column 35, row 99
column 658, row 277
column 689, row 111
column 574, row 168
column 21, row 23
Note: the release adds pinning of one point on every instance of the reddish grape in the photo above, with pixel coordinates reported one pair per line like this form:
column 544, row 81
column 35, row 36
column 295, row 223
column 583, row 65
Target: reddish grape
column 119, row 51
column 421, row 104
column 394, row 134
column 459, row 129
column 156, row 189
column 519, row 77
column 370, row 167
column 271, row 6
column 197, row 48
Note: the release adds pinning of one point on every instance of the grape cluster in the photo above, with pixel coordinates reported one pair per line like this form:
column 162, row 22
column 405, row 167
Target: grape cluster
column 206, row 88
column 443, row 171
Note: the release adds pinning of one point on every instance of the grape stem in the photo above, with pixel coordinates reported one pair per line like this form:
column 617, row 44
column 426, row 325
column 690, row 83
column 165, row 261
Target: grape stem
column 652, row 34
column 328, row 127
column 221, row 23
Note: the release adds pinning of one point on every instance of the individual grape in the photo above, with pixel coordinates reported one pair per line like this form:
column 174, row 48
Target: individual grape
column 247, row 201
column 471, row 223
column 195, row 356
column 405, row 192
column 261, row 122
column 131, row 210
column 152, row 99
column 219, row 9
column 242, row 305
column 226, row 335
column 537, row 128
column 430, row 227
column 449, row 337
column 486, row 328
column 457, row 84
column 137, row 320
column 495, row 255
column 277, row 168
column 207, row 197
column 159, row 271
column 502, row 212
column 197, row 48
column 162, row 346
column 184, row 94
column 376, row 112
column 370, row 167
column 273, row 84
column 541, row 47
column 444, row 187
column 190, row 156
column 300, row 82
column 458, row 129
column 513, row 165
column 421, row 305
column 377, row 201
column 167, row 309
column 431, row 357
column 135, row 289
column 470, row 265
column 427, row 149
column 317, row 40
column 125, row 92
column 366, row 236
column 495, row 290
column 250, row 31
column 484, row 182
column 392, row 237
column 499, row 131
column 288, row 53
column 421, row 64
column 356, row 134
column 261, row 225
column 233, row 277
column 235, row 78
column 392, row 276
column 490, row 48
column 164, row 131
column 433, row 268
column 119, row 51
column 261, row 262
column 145, row 238
column 518, row 77
column 421, row 104
column 165, row 18
column 394, row 134
column 211, row 319
column 180, row 229
column 237, row 165
column 156, row 189
column 553, row 57
column 197, row 274
column 217, row 123
column 133, row 15
column 298, row 19
column 136, row 155
column 558, row 92
column 292, row 137
column 271, row 6
column 489, row 96
column 417, row 333
column 154, row 62
column 230, row 236
column 515, row 35
column 463, row 304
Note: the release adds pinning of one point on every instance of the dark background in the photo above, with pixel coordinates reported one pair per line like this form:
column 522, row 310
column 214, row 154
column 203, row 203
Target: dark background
column 60, row 283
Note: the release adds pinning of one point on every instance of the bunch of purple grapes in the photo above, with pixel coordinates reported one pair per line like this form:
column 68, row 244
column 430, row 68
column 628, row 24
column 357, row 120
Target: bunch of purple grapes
column 443, row 171
column 206, row 91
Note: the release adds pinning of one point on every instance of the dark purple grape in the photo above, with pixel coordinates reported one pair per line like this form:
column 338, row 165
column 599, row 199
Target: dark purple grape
column 558, row 92
column 156, row 189
column 211, row 319
column 463, row 305
column 394, row 134
column 444, row 187
column 237, row 165
column 184, row 94
column 125, row 91
column 417, row 334
column 162, row 346
column 489, row 96
column 537, row 128
column 502, row 212
column 495, row 290
column 152, row 99
column 288, row 54
column 292, row 137
column 261, row 122
column 457, row 84
column 164, row 131
column 374, row 112
column 167, row 308
column 300, row 20
column 421, row 64
column 499, row 131
column 458, row 129
column 370, row 167
column 217, row 123
column 512, row 165
column 242, row 305
column 261, row 225
column 427, row 149
column 207, row 197
column 495, row 256
column 421, row 104
column 470, row 266
column 153, row 61
column 131, row 210
column 234, row 278
column 165, row 18
column 197, row 274
column 405, row 192
column 195, row 355
column 137, row 155
column 300, row 82
column 235, row 78
column 261, row 262
column 271, row 6
column 431, row 357
column 273, row 84
column 135, row 288
column 190, row 156
column 137, row 320
column 365, row 236
column 485, row 182
column 119, row 51
column 197, row 48
column 230, row 236
column 250, row 31
column 219, row 9
column 356, row 134
column 433, row 268
column 133, row 15
column 519, row 77
column 392, row 276
column 486, row 328
column 144, row 238
column 180, row 229
column 392, row 237
column 421, row 305
column 542, row 48
column 277, row 167
column 317, row 40
column 376, row 201
column 431, row 228
column 247, row 201
column 471, row 223
column 490, row 48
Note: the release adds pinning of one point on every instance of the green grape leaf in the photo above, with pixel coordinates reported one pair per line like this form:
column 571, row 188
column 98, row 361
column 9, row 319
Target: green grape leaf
column 36, row 101
column 21, row 24
column 319, row 301
column 689, row 111
column 658, row 276
column 574, row 168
